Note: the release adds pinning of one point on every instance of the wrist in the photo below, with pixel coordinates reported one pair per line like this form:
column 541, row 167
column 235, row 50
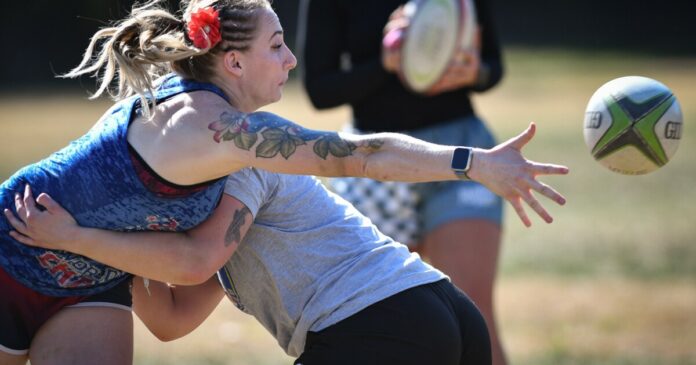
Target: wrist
column 79, row 239
column 475, row 166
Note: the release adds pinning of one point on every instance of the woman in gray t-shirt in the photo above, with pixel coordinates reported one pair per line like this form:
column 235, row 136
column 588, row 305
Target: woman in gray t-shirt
column 314, row 271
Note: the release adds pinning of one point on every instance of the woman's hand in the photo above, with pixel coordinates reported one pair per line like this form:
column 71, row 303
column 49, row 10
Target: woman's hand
column 507, row 173
column 392, row 39
column 51, row 228
column 463, row 70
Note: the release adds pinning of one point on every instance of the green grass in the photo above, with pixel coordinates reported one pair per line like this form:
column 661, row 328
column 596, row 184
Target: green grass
column 611, row 281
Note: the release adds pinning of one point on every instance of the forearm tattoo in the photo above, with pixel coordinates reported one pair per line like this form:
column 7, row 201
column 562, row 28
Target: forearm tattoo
column 271, row 135
column 234, row 231
column 375, row 144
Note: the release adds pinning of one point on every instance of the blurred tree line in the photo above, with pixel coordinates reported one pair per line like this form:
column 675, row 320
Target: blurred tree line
column 43, row 38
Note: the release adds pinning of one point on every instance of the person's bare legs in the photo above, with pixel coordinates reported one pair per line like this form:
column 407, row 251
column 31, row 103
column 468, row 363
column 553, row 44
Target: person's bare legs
column 9, row 359
column 467, row 251
column 85, row 335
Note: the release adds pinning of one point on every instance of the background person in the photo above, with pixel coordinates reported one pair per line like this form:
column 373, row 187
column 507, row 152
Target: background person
column 456, row 225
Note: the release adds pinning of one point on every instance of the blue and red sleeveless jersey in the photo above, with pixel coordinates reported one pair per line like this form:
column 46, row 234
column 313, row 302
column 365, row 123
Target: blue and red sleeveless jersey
column 95, row 180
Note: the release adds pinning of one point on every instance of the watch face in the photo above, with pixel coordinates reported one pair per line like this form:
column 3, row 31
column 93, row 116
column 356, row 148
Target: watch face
column 460, row 159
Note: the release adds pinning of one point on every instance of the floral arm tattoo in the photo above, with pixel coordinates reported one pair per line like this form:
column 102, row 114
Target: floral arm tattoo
column 234, row 234
column 277, row 135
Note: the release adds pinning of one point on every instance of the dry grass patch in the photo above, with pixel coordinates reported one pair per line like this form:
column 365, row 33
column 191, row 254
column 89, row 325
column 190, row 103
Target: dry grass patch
column 612, row 320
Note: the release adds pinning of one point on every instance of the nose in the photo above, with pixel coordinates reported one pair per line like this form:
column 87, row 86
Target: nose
column 291, row 60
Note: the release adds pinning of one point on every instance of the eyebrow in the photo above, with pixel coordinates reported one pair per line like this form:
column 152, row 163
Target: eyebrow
column 275, row 33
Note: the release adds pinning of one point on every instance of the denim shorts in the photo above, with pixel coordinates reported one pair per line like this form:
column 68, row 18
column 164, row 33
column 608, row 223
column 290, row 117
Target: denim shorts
column 406, row 212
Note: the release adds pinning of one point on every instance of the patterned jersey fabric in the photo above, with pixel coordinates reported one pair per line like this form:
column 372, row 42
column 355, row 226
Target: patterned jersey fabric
column 95, row 180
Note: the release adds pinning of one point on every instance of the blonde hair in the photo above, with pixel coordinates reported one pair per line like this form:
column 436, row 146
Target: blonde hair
column 152, row 42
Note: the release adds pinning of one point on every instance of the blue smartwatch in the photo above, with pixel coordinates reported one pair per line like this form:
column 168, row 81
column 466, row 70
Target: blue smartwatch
column 461, row 162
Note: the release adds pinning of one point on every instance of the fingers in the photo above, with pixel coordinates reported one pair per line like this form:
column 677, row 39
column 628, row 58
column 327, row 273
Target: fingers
column 25, row 205
column 519, row 209
column 524, row 193
column 543, row 189
column 397, row 20
column 14, row 222
column 19, row 205
column 47, row 202
column 548, row 168
column 465, row 56
column 391, row 60
column 29, row 198
column 461, row 72
column 21, row 230
column 397, row 13
column 523, row 138
column 536, row 206
column 396, row 23
column 528, row 198
column 524, row 182
column 548, row 192
column 23, row 239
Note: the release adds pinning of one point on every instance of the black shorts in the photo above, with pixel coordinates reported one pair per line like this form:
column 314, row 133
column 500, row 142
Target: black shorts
column 429, row 324
column 23, row 311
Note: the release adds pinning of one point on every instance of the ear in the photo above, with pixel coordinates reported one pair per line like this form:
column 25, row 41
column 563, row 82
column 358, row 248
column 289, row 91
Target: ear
column 232, row 62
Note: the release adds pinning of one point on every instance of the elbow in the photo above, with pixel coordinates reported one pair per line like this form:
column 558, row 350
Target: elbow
column 371, row 159
column 356, row 166
column 197, row 268
column 163, row 329
column 369, row 166
column 166, row 335
column 192, row 277
column 372, row 171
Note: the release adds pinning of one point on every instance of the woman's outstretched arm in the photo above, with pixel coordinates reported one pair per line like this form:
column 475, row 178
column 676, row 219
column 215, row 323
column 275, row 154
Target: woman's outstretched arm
column 213, row 139
column 272, row 143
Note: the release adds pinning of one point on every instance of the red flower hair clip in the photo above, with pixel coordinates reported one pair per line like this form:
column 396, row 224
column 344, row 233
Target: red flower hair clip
column 204, row 28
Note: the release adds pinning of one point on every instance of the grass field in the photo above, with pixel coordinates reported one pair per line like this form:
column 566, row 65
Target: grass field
column 611, row 281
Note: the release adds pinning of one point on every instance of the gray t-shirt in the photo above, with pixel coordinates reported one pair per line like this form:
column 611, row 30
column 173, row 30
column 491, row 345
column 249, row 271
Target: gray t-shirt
column 310, row 259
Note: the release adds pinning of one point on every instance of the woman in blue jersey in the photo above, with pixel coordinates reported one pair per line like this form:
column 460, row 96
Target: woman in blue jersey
column 188, row 89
